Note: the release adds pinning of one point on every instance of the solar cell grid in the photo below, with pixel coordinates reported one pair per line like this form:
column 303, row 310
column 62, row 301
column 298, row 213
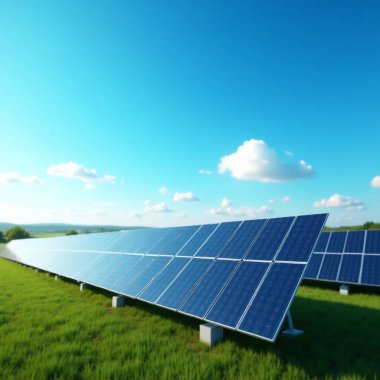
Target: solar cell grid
column 372, row 242
column 162, row 281
column 336, row 242
column 355, row 242
column 265, row 314
column 199, row 238
column 350, row 268
column 322, row 242
column 234, row 299
column 371, row 270
column 176, row 293
column 218, row 239
column 242, row 239
column 330, row 266
column 301, row 239
column 269, row 240
column 208, row 288
column 312, row 268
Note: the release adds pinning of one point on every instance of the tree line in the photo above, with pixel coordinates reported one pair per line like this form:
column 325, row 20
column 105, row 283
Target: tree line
column 17, row 232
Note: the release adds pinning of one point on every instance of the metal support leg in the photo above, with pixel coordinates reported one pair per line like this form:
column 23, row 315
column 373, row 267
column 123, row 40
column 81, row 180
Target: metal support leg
column 291, row 331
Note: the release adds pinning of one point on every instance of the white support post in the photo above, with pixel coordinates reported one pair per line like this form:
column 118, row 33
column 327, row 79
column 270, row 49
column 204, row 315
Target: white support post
column 82, row 286
column 291, row 331
column 37, row 270
column 344, row 290
column 57, row 277
column 210, row 334
column 118, row 301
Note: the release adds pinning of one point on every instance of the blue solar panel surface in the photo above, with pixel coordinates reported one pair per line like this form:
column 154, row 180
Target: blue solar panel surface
column 264, row 316
column 330, row 267
column 269, row 241
column 373, row 242
column 336, row 242
column 350, row 268
column 350, row 257
column 242, row 275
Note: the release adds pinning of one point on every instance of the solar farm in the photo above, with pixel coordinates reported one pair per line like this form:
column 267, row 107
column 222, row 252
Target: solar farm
column 234, row 283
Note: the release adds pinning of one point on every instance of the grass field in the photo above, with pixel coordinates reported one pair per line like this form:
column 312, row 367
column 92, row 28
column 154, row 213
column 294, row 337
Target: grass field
column 50, row 330
column 48, row 234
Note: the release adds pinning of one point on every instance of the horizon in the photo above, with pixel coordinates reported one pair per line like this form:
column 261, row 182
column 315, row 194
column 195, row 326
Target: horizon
column 190, row 113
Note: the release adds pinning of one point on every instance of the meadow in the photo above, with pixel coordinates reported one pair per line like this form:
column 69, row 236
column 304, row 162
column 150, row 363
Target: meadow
column 51, row 330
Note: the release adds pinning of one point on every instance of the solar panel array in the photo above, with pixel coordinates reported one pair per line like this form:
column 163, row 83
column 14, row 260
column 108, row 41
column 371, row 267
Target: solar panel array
column 239, row 275
column 347, row 257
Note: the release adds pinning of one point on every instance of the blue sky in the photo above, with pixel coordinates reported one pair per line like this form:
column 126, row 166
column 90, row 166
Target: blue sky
column 174, row 113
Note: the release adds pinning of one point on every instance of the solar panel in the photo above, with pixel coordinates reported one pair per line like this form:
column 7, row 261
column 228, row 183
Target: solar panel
column 330, row 267
column 242, row 239
column 336, row 242
column 347, row 257
column 373, row 242
column 241, row 275
column 268, row 242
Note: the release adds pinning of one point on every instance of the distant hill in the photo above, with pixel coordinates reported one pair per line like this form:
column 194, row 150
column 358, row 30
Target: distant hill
column 47, row 228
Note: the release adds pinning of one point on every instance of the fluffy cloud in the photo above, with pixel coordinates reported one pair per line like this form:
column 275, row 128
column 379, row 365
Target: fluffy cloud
column 225, row 202
column 254, row 160
column 340, row 201
column 185, row 197
column 243, row 212
column 160, row 207
column 13, row 177
column 286, row 199
column 204, row 172
column 164, row 190
column 181, row 215
column 375, row 181
column 72, row 170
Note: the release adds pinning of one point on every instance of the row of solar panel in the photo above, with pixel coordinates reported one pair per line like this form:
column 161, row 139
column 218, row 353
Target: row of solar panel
column 346, row 268
column 250, row 296
column 251, row 240
column 349, row 242
column 247, row 296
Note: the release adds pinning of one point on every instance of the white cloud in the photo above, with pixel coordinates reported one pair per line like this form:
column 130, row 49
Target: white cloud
column 271, row 200
column 243, row 212
column 185, row 197
column 134, row 214
column 13, row 177
column 164, row 190
column 204, row 172
column 286, row 199
column 72, row 170
column 288, row 153
column 160, row 207
column 375, row 181
column 340, row 201
column 181, row 215
column 254, row 160
column 225, row 202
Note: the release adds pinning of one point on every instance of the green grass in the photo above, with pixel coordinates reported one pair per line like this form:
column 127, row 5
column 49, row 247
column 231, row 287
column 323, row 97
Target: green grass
column 48, row 234
column 50, row 330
